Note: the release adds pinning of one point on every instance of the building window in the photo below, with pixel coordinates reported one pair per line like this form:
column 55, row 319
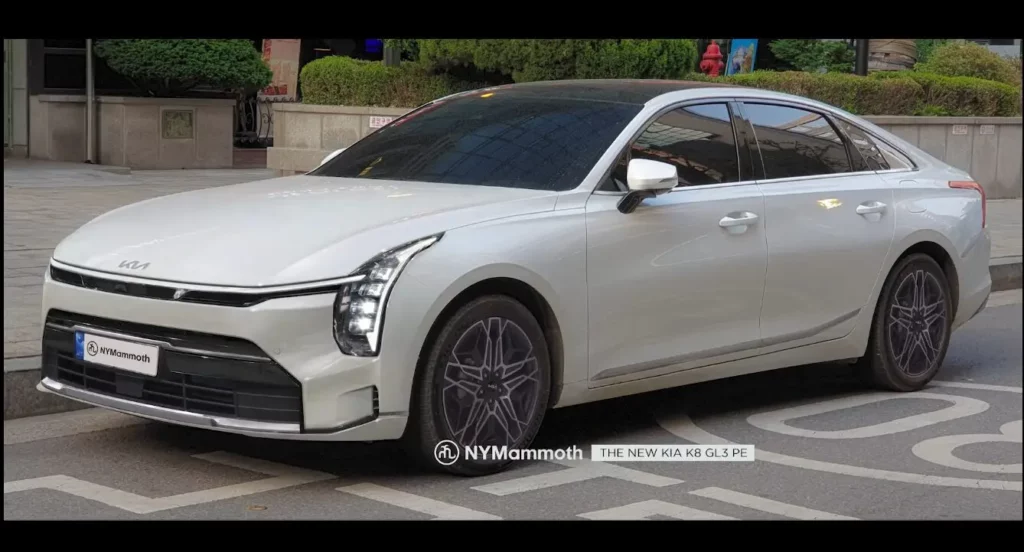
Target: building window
column 57, row 66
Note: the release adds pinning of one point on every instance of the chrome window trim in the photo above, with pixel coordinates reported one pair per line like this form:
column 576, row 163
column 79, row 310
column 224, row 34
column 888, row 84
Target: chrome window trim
column 284, row 288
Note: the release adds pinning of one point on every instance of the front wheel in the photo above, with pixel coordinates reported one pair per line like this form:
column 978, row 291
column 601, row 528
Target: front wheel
column 485, row 385
column 912, row 327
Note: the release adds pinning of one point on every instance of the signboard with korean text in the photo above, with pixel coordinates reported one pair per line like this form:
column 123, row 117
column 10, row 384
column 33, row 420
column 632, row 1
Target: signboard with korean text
column 282, row 56
column 377, row 121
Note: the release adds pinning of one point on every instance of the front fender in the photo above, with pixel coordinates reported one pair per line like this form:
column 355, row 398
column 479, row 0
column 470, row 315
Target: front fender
column 546, row 251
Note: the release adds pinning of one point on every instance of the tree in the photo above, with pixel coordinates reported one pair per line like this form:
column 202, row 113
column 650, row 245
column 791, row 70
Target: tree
column 813, row 55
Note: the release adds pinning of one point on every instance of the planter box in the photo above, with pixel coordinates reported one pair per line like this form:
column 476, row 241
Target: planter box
column 139, row 133
column 987, row 147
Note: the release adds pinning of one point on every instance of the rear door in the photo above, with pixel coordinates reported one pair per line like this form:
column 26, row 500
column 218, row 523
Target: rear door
column 828, row 220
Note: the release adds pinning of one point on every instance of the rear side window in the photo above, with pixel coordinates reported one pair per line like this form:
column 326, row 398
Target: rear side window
column 493, row 139
column 877, row 155
column 796, row 142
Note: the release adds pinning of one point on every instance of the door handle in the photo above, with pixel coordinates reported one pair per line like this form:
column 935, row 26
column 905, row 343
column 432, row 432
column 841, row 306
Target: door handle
column 870, row 207
column 737, row 219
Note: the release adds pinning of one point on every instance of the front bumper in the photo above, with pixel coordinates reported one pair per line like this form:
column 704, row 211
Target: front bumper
column 270, row 369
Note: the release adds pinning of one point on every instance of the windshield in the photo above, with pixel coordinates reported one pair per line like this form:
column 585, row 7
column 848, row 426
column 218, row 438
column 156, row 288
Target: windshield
column 489, row 139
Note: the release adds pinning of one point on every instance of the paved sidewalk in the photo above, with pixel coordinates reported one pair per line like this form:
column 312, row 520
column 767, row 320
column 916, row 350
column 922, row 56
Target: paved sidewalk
column 45, row 202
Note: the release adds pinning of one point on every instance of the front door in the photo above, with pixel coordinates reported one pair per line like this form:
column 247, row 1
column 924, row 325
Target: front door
column 677, row 282
column 829, row 226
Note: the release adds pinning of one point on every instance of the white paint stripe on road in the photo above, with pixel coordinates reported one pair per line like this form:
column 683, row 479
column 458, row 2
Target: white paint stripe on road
column 416, row 503
column 648, row 508
column 286, row 476
column 961, row 407
column 111, row 497
column 683, row 427
column 65, row 424
column 765, row 504
column 981, row 386
column 579, row 470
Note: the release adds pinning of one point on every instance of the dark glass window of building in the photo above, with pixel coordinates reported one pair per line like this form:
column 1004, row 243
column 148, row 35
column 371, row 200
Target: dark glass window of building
column 795, row 142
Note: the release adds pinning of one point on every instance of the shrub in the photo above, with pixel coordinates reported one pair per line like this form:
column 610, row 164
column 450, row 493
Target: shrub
column 968, row 59
column 813, row 55
column 338, row 80
column 889, row 92
column 173, row 67
column 850, row 92
column 524, row 60
column 925, row 47
column 959, row 96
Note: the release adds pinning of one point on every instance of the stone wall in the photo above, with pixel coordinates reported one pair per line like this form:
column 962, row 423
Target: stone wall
column 989, row 148
column 139, row 133
column 305, row 134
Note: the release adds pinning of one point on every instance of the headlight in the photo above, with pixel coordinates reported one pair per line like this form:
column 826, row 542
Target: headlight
column 359, row 306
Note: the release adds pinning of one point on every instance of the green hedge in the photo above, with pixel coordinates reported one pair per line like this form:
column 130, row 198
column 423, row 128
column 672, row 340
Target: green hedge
column 890, row 93
column 524, row 60
column 173, row 67
column 959, row 96
column 338, row 80
column 345, row 81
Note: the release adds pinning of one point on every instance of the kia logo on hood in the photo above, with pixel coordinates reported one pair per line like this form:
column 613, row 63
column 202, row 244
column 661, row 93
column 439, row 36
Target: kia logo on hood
column 133, row 265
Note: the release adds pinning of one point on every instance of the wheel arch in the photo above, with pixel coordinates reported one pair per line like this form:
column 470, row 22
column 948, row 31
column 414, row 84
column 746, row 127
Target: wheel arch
column 936, row 247
column 518, row 289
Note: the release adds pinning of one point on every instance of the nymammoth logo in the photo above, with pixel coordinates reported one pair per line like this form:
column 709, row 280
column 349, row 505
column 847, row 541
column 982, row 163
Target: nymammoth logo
column 132, row 265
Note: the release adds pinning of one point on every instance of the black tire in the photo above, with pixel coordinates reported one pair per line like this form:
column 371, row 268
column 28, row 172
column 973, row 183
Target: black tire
column 441, row 410
column 911, row 330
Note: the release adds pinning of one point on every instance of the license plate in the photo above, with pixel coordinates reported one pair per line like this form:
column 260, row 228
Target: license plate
column 117, row 353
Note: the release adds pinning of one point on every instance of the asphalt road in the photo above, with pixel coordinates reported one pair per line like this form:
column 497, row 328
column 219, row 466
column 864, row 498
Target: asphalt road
column 825, row 449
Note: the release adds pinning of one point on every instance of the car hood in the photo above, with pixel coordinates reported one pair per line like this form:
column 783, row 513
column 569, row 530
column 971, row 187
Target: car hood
column 283, row 230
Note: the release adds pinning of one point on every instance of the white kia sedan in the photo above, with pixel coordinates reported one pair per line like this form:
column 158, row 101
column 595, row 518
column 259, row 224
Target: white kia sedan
column 498, row 253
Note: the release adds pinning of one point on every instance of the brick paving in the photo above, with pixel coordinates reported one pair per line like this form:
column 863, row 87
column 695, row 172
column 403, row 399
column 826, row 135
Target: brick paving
column 44, row 202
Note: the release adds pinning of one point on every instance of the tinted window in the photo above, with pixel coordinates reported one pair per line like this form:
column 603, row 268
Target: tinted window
column 795, row 142
column 697, row 139
column 895, row 159
column 545, row 143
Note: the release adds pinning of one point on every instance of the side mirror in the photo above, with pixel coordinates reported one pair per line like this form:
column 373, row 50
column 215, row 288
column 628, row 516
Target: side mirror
column 332, row 155
column 647, row 179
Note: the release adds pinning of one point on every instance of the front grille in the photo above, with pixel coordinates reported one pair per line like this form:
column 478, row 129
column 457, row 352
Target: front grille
column 252, row 388
column 167, row 293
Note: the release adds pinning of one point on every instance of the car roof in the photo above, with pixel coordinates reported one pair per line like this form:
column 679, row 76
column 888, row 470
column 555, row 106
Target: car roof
column 632, row 91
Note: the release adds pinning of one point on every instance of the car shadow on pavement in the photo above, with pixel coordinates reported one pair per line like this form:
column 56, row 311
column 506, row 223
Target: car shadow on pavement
column 608, row 421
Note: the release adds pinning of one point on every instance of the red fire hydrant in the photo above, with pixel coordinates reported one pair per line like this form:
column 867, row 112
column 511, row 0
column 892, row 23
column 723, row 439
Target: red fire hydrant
column 711, row 63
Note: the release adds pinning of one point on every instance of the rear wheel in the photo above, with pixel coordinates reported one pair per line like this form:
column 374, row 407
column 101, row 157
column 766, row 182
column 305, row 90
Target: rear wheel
column 485, row 383
column 911, row 330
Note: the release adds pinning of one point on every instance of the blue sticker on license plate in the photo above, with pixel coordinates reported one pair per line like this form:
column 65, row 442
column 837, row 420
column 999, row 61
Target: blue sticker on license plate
column 79, row 345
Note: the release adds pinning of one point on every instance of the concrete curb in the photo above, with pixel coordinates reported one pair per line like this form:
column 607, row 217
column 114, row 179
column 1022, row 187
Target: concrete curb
column 21, row 375
column 1006, row 273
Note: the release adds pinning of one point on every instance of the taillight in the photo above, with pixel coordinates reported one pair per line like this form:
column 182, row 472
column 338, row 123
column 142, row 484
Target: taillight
column 970, row 184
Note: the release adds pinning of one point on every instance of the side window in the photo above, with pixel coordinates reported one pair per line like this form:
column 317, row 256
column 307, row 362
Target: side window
column 895, row 159
column 697, row 139
column 796, row 142
column 873, row 157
